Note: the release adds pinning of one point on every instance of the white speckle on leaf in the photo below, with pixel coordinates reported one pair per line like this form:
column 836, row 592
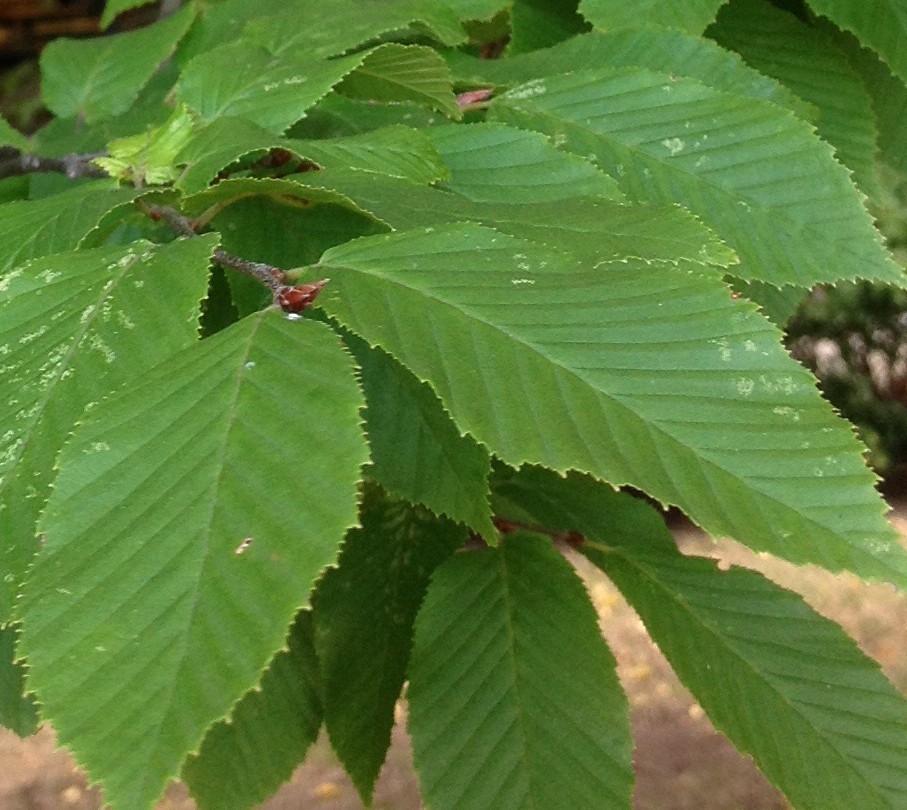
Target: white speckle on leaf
column 249, row 364
column 749, row 345
column 522, row 280
column 243, row 546
column 674, row 145
column 745, row 386
column 293, row 316
column 49, row 275
column 536, row 87
column 97, row 447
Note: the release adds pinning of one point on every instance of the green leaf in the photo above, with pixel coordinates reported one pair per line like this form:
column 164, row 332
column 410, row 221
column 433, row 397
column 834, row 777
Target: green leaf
column 634, row 371
column 34, row 228
column 190, row 518
column 773, row 675
column 364, row 611
column 12, row 137
column 888, row 95
column 495, row 163
column 691, row 16
column 99, row 78
column 807, row 60
column 113, row 8
column 513, row 698
column 881, row 25
column 326, row 30
column 289, row 192
column 593, row 230
column 149, row 158
column 76, row 327
column 18, row 711
column 243, row 760
column 416, row 451
column 671, row 52
column 397, row 73
column 244, row 80
column 399, row 151
column 760, row 177
column 540, row 23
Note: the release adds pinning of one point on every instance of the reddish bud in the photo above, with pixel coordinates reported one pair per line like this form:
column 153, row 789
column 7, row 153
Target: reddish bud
column 296, row 299
column 473, row 97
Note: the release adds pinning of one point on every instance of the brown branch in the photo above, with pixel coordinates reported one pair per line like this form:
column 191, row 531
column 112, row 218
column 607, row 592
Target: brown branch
column 292, row 299
column 73, row 166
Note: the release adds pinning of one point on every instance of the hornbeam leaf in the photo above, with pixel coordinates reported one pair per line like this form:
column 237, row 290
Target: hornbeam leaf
column 494, row 163
column 244, row 760
column 191, row 515
column 513, row 697
column 364, row 611
column 889, row 100
column 18, row 711
column 341, row 26
column 73, row 328
column 807, row 60
column 881, row 25
column 399, row 151
column 634, row 371
column 670, row 52
column 592, row 229
column 416, row 451
column 397, row 73
column 772, row 674
column 691, row 16
column 244, row 80
column 760, row 177
column 33, row 228
column 99, row 78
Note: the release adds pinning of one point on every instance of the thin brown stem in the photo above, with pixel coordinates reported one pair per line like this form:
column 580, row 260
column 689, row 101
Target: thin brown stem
column 73, row 166
column 271, row 277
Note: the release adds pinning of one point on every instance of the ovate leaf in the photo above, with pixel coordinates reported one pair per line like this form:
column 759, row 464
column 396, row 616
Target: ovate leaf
column 18, row 711
column 244, row 80
column 590, row 229
column 634, row 371
column 772, row 674
column 670, row 52
column 760, row 177
column 341, row 26
column 73, row 329
column 494, row 163
column 55, row 224
column 807, row 60
column 364, row 611
column 416, row 451
column 507, row 667
column 399, row 151
column 99, row 78
column 691, row 16
column 881, row 25
column 398, row 73
column 190, row 518
column 244, row 760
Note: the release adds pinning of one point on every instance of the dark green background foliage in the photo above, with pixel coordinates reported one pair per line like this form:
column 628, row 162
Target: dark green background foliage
column 555, row 248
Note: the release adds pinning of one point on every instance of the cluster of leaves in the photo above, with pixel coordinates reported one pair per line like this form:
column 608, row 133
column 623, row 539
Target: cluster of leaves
column 222, row 526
